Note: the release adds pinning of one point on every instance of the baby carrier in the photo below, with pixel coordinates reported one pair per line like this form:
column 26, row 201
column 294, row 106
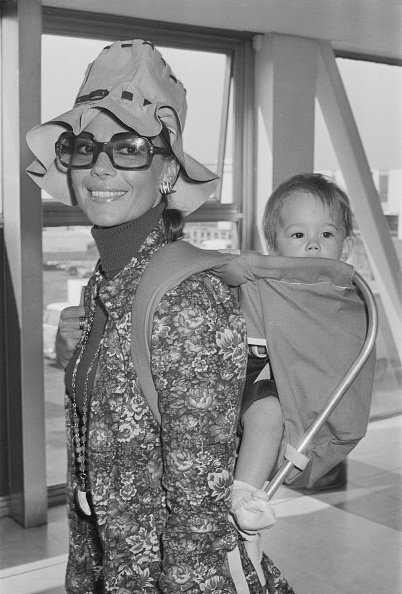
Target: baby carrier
column 316, row 316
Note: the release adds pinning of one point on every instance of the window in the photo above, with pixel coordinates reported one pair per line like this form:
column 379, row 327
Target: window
column 393, row 222
column 383, row 185
column 212, row 235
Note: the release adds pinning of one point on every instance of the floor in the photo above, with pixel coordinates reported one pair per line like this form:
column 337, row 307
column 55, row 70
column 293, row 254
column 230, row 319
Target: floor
column 339, row 541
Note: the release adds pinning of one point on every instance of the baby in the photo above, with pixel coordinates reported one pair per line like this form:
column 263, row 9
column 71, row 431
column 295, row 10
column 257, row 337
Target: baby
column 309, row 216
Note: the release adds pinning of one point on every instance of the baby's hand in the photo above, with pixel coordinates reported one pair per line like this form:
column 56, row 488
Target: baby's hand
column 251, row 507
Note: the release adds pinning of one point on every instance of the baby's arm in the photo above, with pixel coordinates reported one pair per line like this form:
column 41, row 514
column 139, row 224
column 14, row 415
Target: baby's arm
column 262, row 435
column 262, row 425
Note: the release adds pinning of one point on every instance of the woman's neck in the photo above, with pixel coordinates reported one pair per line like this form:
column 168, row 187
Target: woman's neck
column 119, row 244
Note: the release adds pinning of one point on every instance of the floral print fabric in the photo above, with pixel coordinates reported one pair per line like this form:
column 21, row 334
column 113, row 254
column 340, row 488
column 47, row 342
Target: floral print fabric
column 161, row 495
column 198, row 354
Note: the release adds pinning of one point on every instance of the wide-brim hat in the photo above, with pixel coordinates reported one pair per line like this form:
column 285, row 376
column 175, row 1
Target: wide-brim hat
column 132, row 81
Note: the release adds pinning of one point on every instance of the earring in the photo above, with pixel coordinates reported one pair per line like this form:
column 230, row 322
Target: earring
column 165, row 188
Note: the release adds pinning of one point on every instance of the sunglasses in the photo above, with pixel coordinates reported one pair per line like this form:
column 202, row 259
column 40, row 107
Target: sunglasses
column 125, row 150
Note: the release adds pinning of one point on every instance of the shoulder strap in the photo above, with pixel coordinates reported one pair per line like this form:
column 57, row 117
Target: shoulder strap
column 168, row 267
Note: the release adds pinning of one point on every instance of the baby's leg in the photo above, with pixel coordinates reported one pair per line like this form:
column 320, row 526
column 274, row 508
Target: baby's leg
column 262, row 435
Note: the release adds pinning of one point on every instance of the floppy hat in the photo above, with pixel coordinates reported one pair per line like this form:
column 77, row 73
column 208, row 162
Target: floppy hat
column 132, row 81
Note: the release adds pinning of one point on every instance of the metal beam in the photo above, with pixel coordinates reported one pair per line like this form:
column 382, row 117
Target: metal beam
column 286, row 73
column 366, row 205
column 21, row 52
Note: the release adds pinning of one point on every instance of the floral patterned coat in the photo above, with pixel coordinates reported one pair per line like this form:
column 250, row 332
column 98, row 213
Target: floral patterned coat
column 161, row 495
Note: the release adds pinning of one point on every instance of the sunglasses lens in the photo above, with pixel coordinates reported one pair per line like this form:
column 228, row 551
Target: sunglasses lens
column 75, row 151
column 131, row 152
column 82, row 151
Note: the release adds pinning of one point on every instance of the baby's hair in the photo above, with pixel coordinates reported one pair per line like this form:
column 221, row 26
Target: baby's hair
column 316, row 184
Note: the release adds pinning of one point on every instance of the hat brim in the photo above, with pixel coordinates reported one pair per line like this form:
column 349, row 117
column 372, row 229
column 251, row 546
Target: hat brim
column 193, row 189
column 195, row 184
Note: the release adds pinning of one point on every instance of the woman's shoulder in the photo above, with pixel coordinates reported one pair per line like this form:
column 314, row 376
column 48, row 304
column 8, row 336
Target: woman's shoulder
column 203, row 296
column 205, row 287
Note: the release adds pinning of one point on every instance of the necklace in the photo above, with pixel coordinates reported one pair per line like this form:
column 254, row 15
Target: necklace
column 82, row 495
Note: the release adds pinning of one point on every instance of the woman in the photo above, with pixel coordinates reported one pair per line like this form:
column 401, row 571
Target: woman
column 148, row 505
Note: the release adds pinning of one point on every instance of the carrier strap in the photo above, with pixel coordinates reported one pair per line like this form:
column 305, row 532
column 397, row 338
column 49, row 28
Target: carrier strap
column 237, row 572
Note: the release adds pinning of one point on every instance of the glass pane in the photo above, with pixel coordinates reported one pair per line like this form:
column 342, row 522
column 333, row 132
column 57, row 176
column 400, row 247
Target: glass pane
column 212, row 235
column 375, row 95
column 64, row 61
column 69, row 256
column 203, row 76
column 202, row 73
column 227, row 173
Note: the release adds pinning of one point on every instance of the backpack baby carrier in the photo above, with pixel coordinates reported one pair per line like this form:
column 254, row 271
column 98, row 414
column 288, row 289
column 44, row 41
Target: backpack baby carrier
column 312, row 315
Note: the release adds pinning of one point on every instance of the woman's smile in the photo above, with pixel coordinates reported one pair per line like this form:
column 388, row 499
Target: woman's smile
column 106, row 195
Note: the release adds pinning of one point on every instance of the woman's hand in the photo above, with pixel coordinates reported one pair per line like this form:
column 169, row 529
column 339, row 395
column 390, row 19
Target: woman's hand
column 68, row 333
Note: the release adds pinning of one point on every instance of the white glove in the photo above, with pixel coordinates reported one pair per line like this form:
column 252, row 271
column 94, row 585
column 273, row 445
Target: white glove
column 251, row 507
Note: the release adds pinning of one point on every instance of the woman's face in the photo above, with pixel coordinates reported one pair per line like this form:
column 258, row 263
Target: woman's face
column 110, row 196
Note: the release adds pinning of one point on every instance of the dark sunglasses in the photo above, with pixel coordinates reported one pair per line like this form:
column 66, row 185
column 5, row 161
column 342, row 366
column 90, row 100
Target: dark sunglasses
column 125, row 150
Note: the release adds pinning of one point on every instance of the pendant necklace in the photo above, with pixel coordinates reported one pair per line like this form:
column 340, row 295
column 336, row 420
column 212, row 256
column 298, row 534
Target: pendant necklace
column 82, row 495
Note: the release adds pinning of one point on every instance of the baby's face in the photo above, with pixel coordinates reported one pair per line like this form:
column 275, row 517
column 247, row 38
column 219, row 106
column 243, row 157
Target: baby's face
column 307, row 229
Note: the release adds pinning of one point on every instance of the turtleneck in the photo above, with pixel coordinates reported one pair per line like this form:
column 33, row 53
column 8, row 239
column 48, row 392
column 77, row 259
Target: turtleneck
column 117, row 246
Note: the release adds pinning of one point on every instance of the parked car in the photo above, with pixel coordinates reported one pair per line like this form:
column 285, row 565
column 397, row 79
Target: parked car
column 79, row 268
column 52, row 265
column 51, row 317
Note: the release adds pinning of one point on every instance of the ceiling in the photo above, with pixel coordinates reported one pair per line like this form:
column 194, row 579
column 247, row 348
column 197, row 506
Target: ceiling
column 371, row 27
